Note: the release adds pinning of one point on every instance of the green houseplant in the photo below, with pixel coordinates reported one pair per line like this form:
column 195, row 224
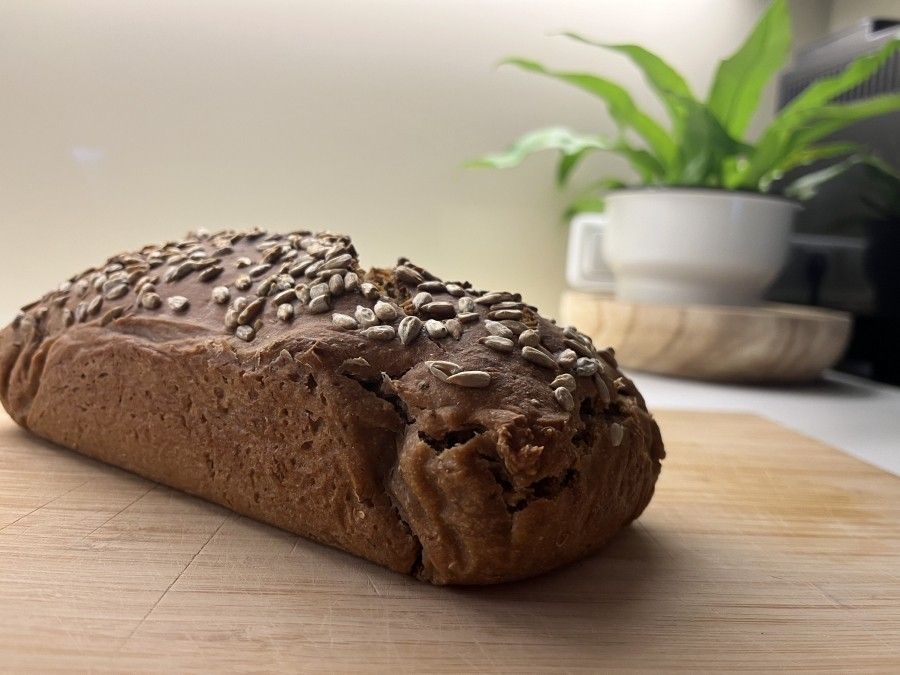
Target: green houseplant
column 703, row 157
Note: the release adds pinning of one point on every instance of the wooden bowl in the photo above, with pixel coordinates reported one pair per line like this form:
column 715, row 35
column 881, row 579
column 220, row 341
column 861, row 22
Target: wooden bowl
column 769, row 343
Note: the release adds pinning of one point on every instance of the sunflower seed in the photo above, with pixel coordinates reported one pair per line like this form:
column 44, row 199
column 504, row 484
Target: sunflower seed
column 150, row 300
column 564, row 397
column 501, row 314
column 112, row 315
column 565, row 380
column 516, row 327
column 351, row 281
column 99, row 280
column 421, row 298
column 64, row 287
column 221, row 295
column 566, row 358
column 456, row 290
column 369, row 291
column 95, row 304
column 265, row 287
column 498, row 344
column 81, row 287
column 239, row 304
column 578, row 347
column 380, row 333
column 537, row 357
column 431, row 286
column 223, row 251
column 508, row 304
column 365, row 317
column 317, row 290
column 211, row 273
column 336, row 284
column 178, row 303
column 298, row 269
column 529, row 337
column 609, row 357
column 320, row 304
column 40, row 314
column 498, row 329
column 313, row 269
column 407, row 275
column 385, row 311
column 243, row 282
column 338, row 262
column 113, row 290
column 435, row 329
column 468, row 317
column 409, row 329
column 616, row 434
column 285, row 311
column 602, row 389
column 465, row 305
column 251, row 311
column 303, row 295
column 245, row 333
column 476, row 379
column 454, row 327
column 439, row 310
column 442, row 369
column 231, row 318
column 489, row 299
column 585, row 367
column 80, row 312
column 344, row 322
column 243, row 262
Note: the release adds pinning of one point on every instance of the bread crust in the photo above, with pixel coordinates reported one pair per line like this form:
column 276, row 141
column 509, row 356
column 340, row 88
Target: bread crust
column 343, row 435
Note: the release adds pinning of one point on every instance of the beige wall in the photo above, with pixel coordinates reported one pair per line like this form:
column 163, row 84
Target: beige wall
column 845, row 13
column 128, row 122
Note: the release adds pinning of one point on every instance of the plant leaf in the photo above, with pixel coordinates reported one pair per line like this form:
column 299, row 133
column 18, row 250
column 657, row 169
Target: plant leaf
column 806, row 187
column 807, row 155
column 619, row 103
column 741, row 78
column 590, row 200
column 668, row 84
column 704, row 146
column 573, row 147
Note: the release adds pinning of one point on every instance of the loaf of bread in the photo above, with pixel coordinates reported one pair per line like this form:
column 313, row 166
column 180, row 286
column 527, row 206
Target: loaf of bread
column 441, row 431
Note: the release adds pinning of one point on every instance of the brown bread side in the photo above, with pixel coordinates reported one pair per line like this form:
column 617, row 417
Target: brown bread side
column 475, row 443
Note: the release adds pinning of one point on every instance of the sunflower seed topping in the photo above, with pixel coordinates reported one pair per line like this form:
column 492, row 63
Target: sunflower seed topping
column 585, row 367
column 81, row 287
column 566, row 358
column 211, row 273
column 516, row 327
column 498, row 329
column 282, row 297
column 178, row 303
column 454, row 327
column 578, row 347
column 313, row 269
column 351, row 281
column 336, row 284
column 243, row 282
column 95, row 304
column 435, row 329
column 317, row 290
column 385, row 311
column 303, row 294
column 240, row 303
column 150, row 300
column 498, row 344
column 602, row 389
column 251, row 311
column 421, row 298
column 380, row 333
column 565, row 380
column 231, row 318
column 442, row 369
column 530, row 338
column 465, row 305
column 259, row 270
column 369, row 291
column 113, row 290
column 476, row 379
column 338, row 262
column 564, row 397
column 456, row 290
column 500, row 314
column 431, row 286
column 285, row 311
column 409, row 329
column 439, row 310
column 468, row 317
column 365, row 317
column 243, row 262
column 221, row 295
column 489, row 299
column 245, row 333
column 616, row 434
column 320, row 304
column 407, row 275
column 344, row 322
column 538, row 357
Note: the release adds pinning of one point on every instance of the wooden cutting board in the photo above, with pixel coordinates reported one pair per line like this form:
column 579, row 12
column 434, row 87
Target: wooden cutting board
column 762, row 549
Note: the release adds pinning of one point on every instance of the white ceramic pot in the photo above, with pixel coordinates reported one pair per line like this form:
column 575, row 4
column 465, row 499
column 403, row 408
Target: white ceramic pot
column 683, row 246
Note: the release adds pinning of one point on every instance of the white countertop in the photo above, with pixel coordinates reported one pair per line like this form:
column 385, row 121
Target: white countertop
column 855, row 415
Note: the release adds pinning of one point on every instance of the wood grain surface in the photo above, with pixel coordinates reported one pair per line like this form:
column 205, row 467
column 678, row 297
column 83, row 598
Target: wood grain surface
column 769, row 343
column 762, row 549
